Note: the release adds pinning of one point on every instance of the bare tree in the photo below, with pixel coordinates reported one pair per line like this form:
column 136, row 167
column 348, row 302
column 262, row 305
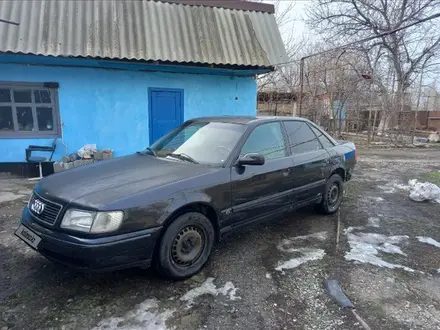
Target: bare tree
column 331, row 86
column 408, row 51
column 285, row 78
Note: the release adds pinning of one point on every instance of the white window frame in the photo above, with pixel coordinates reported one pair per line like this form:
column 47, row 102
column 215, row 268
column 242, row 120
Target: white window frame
column 16, row 133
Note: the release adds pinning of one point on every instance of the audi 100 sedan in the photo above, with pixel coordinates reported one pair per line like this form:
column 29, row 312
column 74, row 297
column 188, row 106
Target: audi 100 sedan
column 169, row 203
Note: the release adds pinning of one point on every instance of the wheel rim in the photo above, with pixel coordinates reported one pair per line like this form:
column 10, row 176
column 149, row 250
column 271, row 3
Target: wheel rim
column 187, row 246
column 333, row 195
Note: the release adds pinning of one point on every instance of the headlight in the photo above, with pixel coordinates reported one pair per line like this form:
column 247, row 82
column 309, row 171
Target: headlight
column 92, row 222
column 107, row 221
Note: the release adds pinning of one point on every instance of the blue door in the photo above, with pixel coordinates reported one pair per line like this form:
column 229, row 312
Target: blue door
column 165, row 110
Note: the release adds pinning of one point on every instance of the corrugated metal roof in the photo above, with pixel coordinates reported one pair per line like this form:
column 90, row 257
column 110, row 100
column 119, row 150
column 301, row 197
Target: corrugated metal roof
column 141, row 30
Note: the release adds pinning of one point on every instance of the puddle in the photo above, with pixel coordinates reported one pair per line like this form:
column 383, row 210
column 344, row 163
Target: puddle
column 208, row 287
column 146, row 316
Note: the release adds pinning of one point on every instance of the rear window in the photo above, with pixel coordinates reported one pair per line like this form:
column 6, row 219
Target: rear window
column 301, row 137
column 325, row 141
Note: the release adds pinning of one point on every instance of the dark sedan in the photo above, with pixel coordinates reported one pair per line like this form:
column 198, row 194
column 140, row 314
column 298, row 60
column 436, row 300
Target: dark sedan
column 169, row 203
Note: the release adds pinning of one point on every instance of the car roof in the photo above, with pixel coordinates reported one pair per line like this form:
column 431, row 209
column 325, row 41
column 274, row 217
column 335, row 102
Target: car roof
column 245, row 119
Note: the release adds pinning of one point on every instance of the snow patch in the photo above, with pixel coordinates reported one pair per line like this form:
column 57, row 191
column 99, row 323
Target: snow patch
column 307, row 254
column 350, row 229
column 6, row 196
column 392, row 186
column 376, row 199
column 146, row 316
column 402, row 186
column 391, row 248
column 365, row 247
column 428, row 240
column 208, row 287
column 283, row 245
column 321, row 235
column 373, row 222
column 268, row 275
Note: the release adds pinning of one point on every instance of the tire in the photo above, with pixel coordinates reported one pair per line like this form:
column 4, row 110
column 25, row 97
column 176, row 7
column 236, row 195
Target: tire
column 330, row 204
column 185, row 247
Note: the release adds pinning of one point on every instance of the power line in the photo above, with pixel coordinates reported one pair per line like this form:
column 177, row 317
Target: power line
column 380, row 35
column 8, row 22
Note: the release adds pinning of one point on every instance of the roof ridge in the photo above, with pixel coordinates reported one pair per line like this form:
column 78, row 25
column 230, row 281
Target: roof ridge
column 226, row 4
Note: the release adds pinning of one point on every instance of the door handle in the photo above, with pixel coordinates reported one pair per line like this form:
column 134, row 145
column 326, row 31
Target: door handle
column 286, row 172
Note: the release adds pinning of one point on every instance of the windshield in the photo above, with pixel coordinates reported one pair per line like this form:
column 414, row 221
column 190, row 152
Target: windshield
column 199, row 142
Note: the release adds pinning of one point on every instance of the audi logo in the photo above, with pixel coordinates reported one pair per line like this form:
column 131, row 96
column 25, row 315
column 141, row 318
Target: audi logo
column 37, row 206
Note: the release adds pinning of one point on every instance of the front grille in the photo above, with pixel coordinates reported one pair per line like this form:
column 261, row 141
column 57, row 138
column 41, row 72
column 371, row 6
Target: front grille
column 50, row 212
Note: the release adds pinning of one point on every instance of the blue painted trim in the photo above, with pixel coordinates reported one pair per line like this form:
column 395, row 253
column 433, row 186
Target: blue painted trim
column 124, row 65
column 349, row 155
column 150, row 109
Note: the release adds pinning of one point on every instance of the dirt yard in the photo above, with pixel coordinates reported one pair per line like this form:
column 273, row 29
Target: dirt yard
column 267, row 277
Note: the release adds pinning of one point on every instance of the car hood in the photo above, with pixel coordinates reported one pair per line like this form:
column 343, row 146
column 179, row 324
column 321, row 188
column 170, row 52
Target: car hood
column 107, row 181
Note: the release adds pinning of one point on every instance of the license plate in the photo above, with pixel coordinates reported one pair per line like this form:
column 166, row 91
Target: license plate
column 28, row 236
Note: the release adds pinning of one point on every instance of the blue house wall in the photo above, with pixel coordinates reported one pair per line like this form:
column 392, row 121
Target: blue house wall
column 110, row 107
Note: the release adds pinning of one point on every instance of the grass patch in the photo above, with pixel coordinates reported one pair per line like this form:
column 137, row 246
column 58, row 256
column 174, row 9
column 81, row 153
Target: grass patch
column 433, row 177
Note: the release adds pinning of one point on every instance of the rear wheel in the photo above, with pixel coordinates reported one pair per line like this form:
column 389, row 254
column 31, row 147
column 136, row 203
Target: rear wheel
column 185, row 246
column 332, row 198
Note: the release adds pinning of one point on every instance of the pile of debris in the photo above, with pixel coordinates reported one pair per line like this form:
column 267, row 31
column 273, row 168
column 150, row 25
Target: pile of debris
column 423, row 191
column 88, row 154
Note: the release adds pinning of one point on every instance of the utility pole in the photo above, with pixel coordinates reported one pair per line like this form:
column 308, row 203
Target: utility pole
column 418, row 104
column 301, row 84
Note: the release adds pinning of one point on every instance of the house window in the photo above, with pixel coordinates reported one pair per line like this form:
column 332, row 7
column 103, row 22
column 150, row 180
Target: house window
column 28, row 110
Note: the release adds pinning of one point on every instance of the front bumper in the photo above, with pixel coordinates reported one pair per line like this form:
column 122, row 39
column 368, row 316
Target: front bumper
column 94, row 254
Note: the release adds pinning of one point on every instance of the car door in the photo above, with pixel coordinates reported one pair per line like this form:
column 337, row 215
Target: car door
column 310, row 162
column 258, row 191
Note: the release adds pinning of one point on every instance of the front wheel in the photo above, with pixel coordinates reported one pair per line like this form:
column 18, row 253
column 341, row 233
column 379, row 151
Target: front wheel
column 332, row 199
column 185, row 246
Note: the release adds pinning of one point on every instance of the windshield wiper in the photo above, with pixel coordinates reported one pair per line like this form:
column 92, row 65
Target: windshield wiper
column 184, row 157
column 147, row 149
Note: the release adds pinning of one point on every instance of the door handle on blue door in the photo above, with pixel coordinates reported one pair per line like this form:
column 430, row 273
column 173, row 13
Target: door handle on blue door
column 286, row 172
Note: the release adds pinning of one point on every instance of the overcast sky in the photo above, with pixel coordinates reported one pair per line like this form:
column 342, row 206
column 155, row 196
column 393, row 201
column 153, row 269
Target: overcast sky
column 297, row 16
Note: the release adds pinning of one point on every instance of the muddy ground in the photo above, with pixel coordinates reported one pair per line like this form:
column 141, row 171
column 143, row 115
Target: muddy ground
column 267, row 277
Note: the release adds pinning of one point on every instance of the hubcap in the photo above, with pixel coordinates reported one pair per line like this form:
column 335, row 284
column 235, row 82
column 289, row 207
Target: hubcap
column 333, row 195
column 187, row 246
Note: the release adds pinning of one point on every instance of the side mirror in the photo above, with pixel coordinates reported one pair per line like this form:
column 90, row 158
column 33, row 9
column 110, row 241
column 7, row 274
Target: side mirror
column 251, row 159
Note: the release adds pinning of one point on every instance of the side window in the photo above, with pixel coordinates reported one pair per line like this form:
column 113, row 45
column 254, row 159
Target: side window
column 301, row 137
column 28, row 110
column 266, row 139
column 322, row 138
